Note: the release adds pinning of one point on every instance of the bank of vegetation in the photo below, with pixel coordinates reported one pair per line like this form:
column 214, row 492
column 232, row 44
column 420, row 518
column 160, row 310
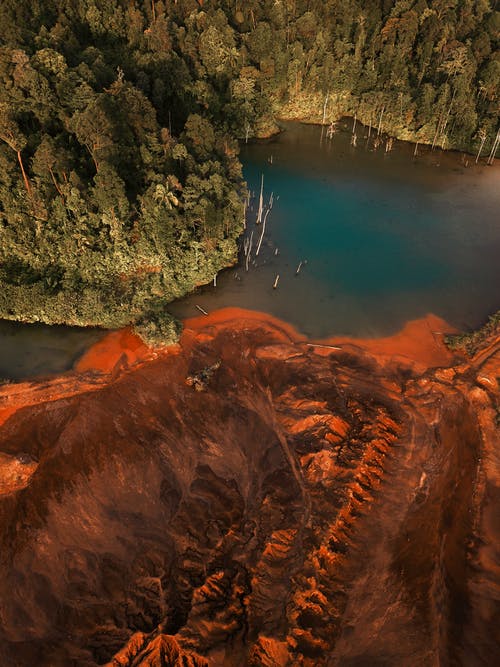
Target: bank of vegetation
column 120, row 185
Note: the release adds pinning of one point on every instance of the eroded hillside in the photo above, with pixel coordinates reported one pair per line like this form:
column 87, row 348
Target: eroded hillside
column 252, row 498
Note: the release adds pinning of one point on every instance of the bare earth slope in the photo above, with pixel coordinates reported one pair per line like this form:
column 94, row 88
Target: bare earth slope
column 249, row 498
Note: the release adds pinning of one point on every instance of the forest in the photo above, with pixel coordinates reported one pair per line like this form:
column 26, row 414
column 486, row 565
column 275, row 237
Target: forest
column 120, row 184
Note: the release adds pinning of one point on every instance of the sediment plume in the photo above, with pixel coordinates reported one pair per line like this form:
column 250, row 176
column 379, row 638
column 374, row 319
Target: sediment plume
column 251, row 497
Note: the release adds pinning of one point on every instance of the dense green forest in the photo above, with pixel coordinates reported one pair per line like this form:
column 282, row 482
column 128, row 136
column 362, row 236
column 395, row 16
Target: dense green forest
column 120, row 185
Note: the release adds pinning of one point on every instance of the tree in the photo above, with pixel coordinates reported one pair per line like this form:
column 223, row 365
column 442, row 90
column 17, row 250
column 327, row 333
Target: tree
column 94, row 130
column 45, row 161
column 14, row 138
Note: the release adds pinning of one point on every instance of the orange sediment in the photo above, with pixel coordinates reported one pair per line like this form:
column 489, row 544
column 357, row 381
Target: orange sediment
column 118, row 347
column 5, row 413
column 241, row 319
column 420, row 342
column 102, row 363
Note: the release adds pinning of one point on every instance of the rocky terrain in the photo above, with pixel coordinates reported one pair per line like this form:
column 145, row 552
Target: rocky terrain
column 249, row 497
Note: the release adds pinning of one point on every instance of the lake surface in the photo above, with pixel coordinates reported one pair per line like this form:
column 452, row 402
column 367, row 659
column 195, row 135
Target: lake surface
column 382, row 237
column 28, row 350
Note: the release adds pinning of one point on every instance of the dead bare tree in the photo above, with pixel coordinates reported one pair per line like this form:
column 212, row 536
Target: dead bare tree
column 482, row 136
column 268, row 209
column 324, row 109
column 261, row 201
column 248, row 250
column 494, row 148
column 380, row 121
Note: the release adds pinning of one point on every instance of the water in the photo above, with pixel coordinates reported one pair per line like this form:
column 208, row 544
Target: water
column 382, row 237
column 28, row 350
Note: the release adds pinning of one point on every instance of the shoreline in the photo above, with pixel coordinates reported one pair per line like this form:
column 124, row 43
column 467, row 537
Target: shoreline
column 281, row 121
column 419, row 344
column 451, row 153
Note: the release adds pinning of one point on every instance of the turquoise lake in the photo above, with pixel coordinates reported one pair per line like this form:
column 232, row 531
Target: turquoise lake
column 383, row 237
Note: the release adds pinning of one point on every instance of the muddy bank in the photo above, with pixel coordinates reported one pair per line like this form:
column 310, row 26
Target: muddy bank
column 253, row 497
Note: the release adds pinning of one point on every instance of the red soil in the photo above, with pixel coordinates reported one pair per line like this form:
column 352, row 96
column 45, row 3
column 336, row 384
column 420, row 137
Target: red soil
column 118, row 347
column 419, row 343
column 303, row 503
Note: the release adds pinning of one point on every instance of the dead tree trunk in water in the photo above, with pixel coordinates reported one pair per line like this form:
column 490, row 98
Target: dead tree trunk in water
column 261, row 202
column 248, row 250
column 264, row 224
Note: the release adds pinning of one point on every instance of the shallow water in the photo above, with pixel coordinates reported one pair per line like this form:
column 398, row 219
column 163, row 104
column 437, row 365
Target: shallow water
column 382, row 237
column 28, row 350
